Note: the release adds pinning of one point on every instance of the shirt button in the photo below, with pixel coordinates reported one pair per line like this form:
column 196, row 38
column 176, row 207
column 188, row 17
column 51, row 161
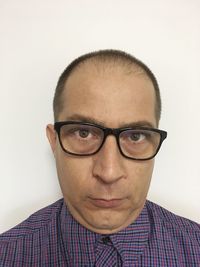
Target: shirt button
column 105, row 240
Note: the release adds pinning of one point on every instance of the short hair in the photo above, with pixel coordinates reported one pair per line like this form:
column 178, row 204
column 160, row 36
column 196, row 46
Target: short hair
column 108, row 55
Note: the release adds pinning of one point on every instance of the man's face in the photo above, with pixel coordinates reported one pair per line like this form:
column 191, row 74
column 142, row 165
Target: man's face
column 105, row 192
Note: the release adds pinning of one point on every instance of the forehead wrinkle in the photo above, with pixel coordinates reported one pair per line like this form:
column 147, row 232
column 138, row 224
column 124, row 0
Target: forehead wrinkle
column 88, row 119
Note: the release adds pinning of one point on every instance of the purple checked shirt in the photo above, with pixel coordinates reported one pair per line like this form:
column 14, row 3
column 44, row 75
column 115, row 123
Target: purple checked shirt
column 52, row 238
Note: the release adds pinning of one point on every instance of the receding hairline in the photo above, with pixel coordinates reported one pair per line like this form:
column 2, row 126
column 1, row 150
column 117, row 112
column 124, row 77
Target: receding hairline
column 104, row 60
column 105, row 64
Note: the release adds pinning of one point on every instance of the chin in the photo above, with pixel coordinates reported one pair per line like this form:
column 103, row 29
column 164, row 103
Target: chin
column 108, row 223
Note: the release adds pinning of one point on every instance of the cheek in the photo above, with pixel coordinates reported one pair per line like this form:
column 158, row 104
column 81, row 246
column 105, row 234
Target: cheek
column 74, row 175
column 140, row 180
column 144, row 170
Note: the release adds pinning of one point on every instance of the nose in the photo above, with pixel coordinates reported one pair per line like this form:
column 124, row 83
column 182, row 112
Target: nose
column 109, row 163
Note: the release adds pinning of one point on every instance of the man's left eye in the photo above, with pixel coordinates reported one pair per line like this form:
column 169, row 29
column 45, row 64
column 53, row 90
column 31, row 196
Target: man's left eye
column 137, row 137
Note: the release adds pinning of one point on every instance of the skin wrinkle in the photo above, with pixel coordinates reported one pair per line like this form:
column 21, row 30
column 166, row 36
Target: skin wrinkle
column 107, row 174
column 88, row 119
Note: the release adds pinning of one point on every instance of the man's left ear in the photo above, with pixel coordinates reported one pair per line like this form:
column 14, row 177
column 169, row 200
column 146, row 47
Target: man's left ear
column 51, row 135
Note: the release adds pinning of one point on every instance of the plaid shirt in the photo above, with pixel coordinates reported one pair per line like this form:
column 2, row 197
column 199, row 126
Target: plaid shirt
column 51, row 238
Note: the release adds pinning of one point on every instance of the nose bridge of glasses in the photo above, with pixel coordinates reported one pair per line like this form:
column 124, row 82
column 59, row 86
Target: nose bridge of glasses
column 111, row 131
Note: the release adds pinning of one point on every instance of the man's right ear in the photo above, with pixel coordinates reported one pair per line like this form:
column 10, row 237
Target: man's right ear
column 51, row 135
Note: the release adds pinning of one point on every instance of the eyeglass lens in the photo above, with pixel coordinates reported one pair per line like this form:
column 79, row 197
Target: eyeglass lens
column 81, row 139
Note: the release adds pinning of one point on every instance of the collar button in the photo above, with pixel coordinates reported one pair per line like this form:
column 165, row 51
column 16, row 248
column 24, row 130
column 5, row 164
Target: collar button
column 106, row 240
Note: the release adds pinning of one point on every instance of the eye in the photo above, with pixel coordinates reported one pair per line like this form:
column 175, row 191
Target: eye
column 137, row 137
column 83, row 133
column 76, row 131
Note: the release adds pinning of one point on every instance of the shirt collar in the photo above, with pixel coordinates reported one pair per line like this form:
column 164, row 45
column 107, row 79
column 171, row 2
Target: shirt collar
column 80, row 242
column 132, row 241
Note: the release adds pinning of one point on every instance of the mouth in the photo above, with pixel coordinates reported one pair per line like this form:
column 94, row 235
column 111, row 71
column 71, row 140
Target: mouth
column 106, row 203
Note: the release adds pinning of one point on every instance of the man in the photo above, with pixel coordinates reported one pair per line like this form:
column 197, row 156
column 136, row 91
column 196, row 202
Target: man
column 104, row 140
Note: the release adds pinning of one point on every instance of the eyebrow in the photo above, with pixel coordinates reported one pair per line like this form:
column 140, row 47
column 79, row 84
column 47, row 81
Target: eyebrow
column 88, row 119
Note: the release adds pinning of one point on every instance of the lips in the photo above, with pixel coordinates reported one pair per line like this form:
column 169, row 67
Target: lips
column 106, row 203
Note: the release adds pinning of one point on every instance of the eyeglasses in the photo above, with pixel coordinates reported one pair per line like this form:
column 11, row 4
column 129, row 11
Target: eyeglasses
column 85, row 139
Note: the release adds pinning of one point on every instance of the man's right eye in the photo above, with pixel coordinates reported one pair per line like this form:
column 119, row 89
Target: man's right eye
column 83, row 133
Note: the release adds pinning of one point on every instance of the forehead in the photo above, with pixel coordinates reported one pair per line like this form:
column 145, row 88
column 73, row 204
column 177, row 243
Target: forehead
column 111, row 93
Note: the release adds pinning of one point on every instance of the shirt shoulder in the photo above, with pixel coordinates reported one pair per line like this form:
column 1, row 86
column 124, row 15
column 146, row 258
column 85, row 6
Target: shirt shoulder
column 174, row 224
column 38, row 220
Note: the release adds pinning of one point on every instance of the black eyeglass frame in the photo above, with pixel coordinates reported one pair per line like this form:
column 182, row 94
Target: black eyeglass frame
column 110, row 131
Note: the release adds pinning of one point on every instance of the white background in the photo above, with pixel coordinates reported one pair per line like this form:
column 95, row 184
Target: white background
column 40, row 37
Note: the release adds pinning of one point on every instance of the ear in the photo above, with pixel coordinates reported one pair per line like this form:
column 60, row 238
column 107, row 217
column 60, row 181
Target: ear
column 51, row 135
